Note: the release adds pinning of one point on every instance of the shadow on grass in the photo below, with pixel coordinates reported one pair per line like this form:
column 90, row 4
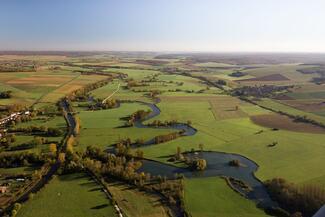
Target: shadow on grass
column 166, row 156
column 73, row 176
column 96, row 189
column 100, row 206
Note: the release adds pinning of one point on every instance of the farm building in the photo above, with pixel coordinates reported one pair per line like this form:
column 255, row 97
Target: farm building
column 3, row 189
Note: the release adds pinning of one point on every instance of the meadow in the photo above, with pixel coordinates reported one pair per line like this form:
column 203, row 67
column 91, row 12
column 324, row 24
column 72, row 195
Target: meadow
column 104, row 128
column 137, row 203
column 278, row 144
column 70, row 196
column 222, row 200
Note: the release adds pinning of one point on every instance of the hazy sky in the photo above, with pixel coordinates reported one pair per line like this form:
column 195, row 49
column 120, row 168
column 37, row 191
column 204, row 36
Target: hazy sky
column 163, row 25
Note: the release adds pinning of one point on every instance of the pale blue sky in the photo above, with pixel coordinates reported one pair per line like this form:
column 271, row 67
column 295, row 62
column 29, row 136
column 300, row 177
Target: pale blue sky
column 163, row 25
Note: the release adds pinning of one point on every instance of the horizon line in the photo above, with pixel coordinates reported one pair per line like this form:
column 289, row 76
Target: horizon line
column 161, row 51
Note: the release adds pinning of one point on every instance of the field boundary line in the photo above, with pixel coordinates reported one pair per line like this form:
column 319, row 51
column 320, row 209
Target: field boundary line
column 212, row 110
column 61, row 85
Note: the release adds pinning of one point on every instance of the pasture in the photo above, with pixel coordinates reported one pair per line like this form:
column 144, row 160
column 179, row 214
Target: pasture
column 137, row 203
column 105, row 127
column 280, row 146
column 221, row 200
column 70, row 196
column 242, row 136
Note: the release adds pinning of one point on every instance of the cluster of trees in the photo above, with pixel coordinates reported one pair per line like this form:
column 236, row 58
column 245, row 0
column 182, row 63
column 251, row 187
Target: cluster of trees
column 77, row 126
column 158, row 123
column 318, row 80
column 123, row 166
column 237, row 74
column 305, row 199
column 171, row 190
column 16, row 208
column 18, row 66
column 123, row 149
column 259, row 91
column 108, row 104
column 154, row 93
column 8, row 109
column 37, row 141
column 180, row 157
column 234, row 163
column 151, row 78
column 194, row 163
column 273, row 144
column 132, row 83
column 320, row 70
column 6, row 94
column 25, row 118
column 167, row 137
column 160, row 91
column 20, row 118
column 314, row 70
column 6, row 139
column 151, row 62
column 39, row 130
column 18, row 159
column 82, row 94
column 305, row 119
column 198, row 164
column 175, row 90
column 54, row 68
column 138, row 115
column 221, row 82
column 125, row 169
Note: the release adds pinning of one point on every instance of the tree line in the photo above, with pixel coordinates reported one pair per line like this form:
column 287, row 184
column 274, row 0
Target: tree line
column 6, row 94
column 167, row 137
column 39, row 130
column 124, row 166
column 82, row 94
column 306, row 199
column 19, row 159
column 136, row 116
column 259, row 91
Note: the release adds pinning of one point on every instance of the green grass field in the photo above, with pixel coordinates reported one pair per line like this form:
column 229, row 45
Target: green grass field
column 211, row 197
column 137, row 203
column 69, row 196
column 298, row 155
column 55, row 122
column 101, row 127
column 223, row 124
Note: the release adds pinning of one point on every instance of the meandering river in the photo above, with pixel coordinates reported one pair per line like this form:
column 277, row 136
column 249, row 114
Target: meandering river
column 217, row 163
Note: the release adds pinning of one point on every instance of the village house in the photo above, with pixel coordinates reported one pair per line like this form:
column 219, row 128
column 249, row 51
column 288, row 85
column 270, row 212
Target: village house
column 3, row 189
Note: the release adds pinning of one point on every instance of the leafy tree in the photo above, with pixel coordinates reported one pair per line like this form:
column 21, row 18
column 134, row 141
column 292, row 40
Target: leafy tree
column 201, row 146
column 200, row 164
column 53, row 148
column 62, row 157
